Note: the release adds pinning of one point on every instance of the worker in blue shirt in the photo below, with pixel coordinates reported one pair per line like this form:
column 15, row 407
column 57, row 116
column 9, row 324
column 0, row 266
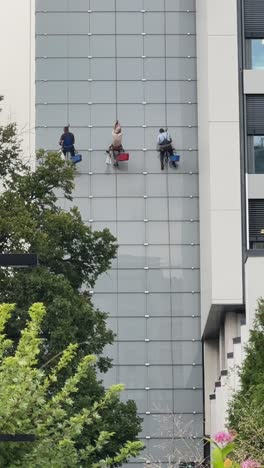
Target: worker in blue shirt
column 67, row 141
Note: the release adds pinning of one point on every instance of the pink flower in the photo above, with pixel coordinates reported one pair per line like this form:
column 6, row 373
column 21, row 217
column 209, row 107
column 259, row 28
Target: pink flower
column 249, row 463
column 224, row 438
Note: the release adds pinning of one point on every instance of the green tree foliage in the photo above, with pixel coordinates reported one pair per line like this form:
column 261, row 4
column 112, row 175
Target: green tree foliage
column 246, row 411
column 71, row 257
column 27, row 408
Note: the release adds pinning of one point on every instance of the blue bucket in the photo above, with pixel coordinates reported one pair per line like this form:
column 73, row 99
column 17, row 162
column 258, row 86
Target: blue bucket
column 175, row 157
column 76, row 158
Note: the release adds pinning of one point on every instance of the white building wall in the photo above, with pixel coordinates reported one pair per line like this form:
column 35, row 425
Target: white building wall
column 17, row 69
column 219, row 158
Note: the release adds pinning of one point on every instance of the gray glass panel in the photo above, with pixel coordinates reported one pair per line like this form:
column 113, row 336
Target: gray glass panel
column 102, row 46
column 103, row 69
column 158, row 280
column 103, row 92
column 103, row 185
column 129, row 46
column 51, row 92
column 155, row 92
column 181, row 352
column 132, row 114
column 160, row 401
column 78, row 46
column 181, row 185
column 126, row 235
column 45, row 46
column 106, row 303
column 185, row 280
column 157, row 233
column 131, row 256
column 127, row 5
column 132, row 305
column 187, row 449
column 183, row 208
column 154, row 114
column 182, row 115
column 188, row 376
column 137, row 162
column 51, row 114
column 154, row 5
column 180, row 68
column 158, row 256
column 157, row 209
column 131, row 23
column 79, row 114
column 102, row 114
column 129, row 69
column 111, row 351
column 154, row 46
column 132, row 209
column 129, row 185
column 184, row 232
column 180, row 46
column 98, row 165
column 102, row 23
column 156, row 185
column 159, row 304
column 51, row 69
column 180, row 23
column 51, row 5
column 131, row 329
column 79, row 68
column 130, row 91
column 155, row 426
column 154, row 68
column 102, row 5
column 181, row 91
column 78, row 91
column 185, row 256
column 103, row 209
column 160, row 377
column 186, row 328
column 107, row 282
column 132, row 353
column 180, row 5
column 133, row 376
column 82, row 189
column 139, row 396
column 188, row 401
column 185, row 304
column 133, row 138
column 153, row 23
column 101, row 138
column 131, row 281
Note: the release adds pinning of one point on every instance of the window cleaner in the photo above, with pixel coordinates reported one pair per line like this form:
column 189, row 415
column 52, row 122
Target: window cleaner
column 165, row 148
column 116, row 150
column 67, row 141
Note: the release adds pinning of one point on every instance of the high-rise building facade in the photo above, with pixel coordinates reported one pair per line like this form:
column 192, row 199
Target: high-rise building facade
column 102, row 60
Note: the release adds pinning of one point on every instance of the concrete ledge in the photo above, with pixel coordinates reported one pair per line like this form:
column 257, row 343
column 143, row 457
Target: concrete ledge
column 254, row 81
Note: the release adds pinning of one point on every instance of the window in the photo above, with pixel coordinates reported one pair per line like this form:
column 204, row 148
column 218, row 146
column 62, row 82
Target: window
column 259, row 154
column 257, row 54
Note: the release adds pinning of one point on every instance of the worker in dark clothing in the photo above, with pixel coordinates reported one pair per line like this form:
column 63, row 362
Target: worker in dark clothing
column 67, row 141
column 164, row 145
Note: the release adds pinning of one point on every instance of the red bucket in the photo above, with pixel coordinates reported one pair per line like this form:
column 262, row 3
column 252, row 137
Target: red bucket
column 122, row 157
